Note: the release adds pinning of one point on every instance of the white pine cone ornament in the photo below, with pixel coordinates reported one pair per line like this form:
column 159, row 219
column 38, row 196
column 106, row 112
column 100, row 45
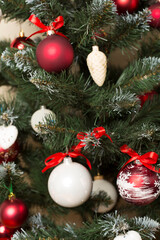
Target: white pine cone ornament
column 97, row 64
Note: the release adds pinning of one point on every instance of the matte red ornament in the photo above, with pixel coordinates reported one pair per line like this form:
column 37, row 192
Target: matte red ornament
column 13, row 213
column 138, row 184
column 10, row 154
column 147, row 96
column 20, row 41
column 124, row 6
column 6, row 233
column 155, row 15
column 54, row 53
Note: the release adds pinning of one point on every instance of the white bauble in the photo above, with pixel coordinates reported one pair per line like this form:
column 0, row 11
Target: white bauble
column 131, row 235
column 100, row 184
column 70, row 184
column 8, row 136
column 39, row 117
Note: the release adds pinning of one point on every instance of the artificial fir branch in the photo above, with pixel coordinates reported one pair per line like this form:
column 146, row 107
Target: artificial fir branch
column 141, row 76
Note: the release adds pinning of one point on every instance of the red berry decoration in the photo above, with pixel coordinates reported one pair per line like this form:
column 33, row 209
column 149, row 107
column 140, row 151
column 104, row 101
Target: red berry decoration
column 124, row 6
column 19, row 41
column 9, row 154
column 13, row 212
column 138, row 184
column 155, row 14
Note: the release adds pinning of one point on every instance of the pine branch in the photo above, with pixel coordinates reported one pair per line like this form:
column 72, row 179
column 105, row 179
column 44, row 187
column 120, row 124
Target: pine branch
column 141, row 76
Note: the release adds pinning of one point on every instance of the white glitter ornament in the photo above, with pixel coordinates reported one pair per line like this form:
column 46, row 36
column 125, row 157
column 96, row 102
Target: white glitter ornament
column 70, row 183
column 131, row 235
column 8, row 136
column 100, row 184
column 97, row 65
column 39, row 117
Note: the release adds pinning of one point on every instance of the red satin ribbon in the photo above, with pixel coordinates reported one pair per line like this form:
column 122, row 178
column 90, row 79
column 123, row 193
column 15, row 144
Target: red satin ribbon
column 97, row 133
column 58, row 23
column 146, row 159
column 56, row 158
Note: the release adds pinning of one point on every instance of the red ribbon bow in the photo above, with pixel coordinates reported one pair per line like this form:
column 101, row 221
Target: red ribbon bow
column 58, row 23
column 97, row 133
column 146, row 159
column 57, row 158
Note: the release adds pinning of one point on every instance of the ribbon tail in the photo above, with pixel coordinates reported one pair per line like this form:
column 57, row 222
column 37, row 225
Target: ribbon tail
column 40, row 31
column 76, row 154
column 151, row 168
column 109, row 137
column 61, row 34
column 45, row 169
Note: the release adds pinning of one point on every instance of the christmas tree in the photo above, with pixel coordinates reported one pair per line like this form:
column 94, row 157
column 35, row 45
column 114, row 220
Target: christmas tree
column 80, row 121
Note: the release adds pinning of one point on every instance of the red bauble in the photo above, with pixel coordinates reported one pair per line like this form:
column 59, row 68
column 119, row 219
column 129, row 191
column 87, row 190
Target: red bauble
column 124, row 6
column 138, row 185
column 155, row 14
column 54, row 53
column 13, row 213
column 147, row 96
column 10, row 154
column 5, row 233
column 19, row 42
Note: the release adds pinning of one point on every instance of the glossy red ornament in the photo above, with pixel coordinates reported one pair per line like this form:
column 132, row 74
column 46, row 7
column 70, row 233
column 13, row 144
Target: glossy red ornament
column 13, row 213
column 10, row 154
column 138, row 184
column 147, row 96
column 124, row 6
column 20, row 41
column 6, row 233
column 155, row 15
column 54, row 53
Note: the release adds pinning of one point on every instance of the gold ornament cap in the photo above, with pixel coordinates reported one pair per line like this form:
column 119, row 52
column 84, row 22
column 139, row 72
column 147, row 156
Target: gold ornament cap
column 21, row 33
column 11, row 196
column 98, row 177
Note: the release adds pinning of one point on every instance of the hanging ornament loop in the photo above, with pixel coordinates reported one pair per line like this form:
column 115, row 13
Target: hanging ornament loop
column 57, row 158
column 58, row 23
column 97, row 133
column 146, row 159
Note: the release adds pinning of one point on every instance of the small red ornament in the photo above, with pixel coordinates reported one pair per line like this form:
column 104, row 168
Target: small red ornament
column 124, row 6
column 155, row 14
column 147, row 96
column 13, row 212
column 54, row 53
column 138, row 184
column 19, row 41
column 5, row 233
column 10, row 154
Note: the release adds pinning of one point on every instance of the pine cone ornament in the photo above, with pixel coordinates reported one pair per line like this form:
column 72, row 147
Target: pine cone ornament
column 97, row 65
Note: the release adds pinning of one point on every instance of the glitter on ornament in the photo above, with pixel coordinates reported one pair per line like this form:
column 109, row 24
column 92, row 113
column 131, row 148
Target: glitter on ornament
column 138, row 184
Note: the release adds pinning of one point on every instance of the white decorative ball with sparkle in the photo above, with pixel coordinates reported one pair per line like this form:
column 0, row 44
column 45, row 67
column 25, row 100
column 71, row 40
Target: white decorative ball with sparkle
column 39, row 117
column 100, row 184
column 131, row 235
column 70, row 184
